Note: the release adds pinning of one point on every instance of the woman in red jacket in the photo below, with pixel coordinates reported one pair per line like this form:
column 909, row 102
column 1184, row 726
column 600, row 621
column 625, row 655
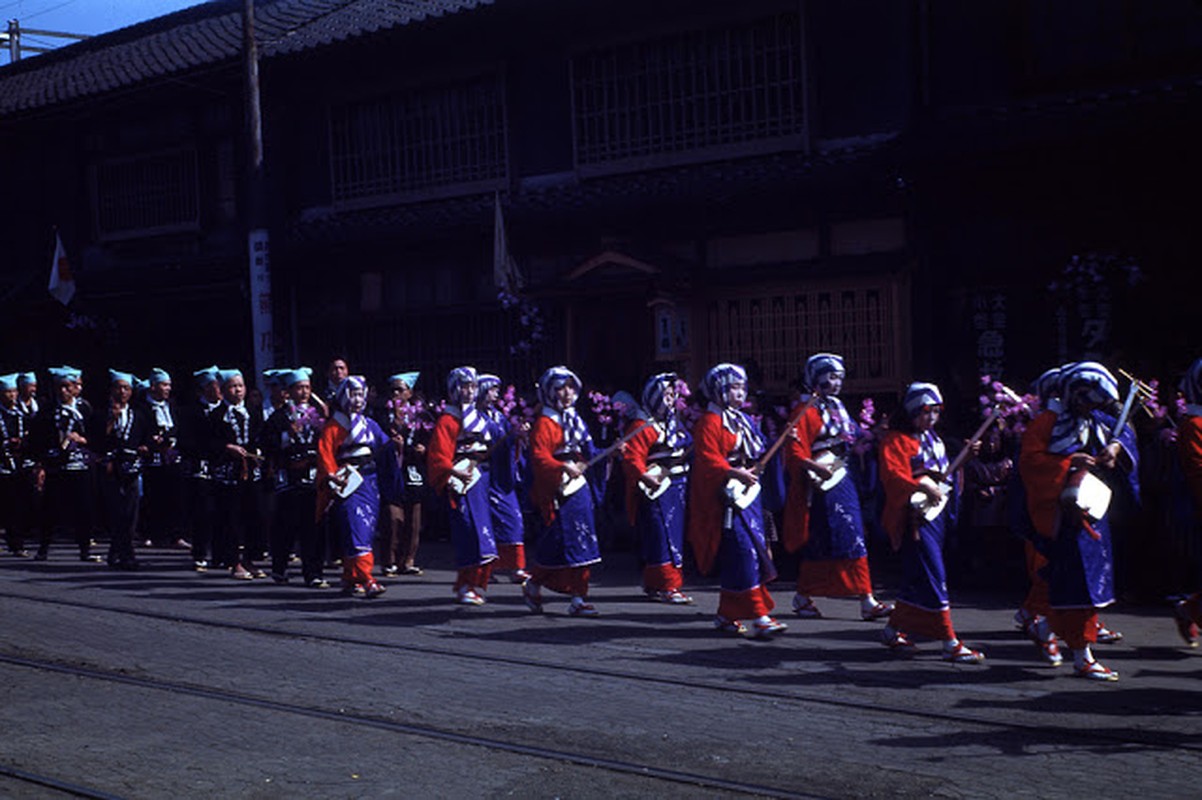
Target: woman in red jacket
column 909, row 454
column 726, row 446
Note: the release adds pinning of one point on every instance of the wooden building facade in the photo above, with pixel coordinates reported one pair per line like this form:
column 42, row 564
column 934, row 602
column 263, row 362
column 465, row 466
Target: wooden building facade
column 681, row 183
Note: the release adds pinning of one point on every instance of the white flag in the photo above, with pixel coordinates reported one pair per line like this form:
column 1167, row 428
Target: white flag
column 504, row 269
column 62, row 282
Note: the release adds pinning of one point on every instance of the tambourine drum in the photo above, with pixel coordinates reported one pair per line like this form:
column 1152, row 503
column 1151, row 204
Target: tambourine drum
column 1087, row 492
column 570, row 486
column 353, row 481
column 740, row 495
column 836, row 465
column 461, row 487
column 923, row 505
column 656, row 471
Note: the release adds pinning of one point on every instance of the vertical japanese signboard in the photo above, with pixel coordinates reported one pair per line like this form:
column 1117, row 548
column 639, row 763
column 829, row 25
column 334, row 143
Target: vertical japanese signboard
column 260, row 302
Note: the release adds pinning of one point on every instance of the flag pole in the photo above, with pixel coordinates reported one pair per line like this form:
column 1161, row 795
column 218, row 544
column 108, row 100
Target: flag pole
column 257, row 239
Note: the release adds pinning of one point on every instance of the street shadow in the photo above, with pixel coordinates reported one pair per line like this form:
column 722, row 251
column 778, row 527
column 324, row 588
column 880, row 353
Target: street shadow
column 1030, row 741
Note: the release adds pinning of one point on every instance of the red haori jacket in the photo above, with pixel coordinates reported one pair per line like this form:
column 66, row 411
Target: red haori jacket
column 797, row 508
column 1189, row 447
column 1043, row 474
column 546, row 437
column 634, row 462
column 897, row 478
column 440, row 452
column 711, row 443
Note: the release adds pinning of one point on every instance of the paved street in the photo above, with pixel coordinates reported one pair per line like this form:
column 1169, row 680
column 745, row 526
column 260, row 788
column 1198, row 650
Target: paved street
column 168, row 683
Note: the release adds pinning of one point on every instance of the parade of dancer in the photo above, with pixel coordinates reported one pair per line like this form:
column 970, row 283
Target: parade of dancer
column 505, row 438
column 825, row 524
column 457, row 459
column 351, row 452
column 911, row 452
column 724, row 530
column 563, row 494
column 1059, row 451
column 657, row 454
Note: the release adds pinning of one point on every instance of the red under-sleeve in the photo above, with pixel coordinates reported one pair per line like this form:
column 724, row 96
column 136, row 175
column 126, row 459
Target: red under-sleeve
column 440, row 451
column 1043, row 473
column 1189, row 446
column 897, row 479
column 634, row 462
column 796, row 524
column 332, row 437
column 546, row 436
column 711, row 443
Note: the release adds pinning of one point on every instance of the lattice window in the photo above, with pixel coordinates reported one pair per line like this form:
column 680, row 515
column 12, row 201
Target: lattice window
column 690, row 91
column 146, row 195
column 777, row 332
column 425, row 138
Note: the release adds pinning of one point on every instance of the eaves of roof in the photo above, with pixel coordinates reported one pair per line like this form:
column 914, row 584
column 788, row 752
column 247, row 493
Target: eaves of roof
column 203, row 36
column 715, row 184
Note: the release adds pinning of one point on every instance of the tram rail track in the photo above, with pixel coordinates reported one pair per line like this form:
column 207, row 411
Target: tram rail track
column 360, row 721
column 1064, row 735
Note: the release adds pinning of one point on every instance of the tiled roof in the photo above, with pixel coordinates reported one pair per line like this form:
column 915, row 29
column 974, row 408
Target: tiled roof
column 201, row 36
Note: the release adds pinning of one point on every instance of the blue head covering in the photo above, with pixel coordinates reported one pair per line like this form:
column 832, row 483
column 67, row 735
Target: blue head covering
column 919, row 396
column 64, row 374
column 1191, row 384
column 26, row 378
column 342, row 396
column 159, row 375
column 227, row 375
column 1047, row 385
column 117, row 375
column 551, row 380
column 207, row 375
column 139, row 384
column 408, row 378
column 291, row 377
column 653, row 394
column 458, row 377
column 1092, row 378
column 8, row 382
column 718, row 381
column 484, row 382
column 274, row 377
column 819, row 364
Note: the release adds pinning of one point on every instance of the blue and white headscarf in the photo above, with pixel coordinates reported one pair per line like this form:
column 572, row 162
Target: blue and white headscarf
column 457, row 378
column 931, row 452
column 1191, row 387
column 1047, row 386
column 717, row 385
column 718, row 381
column 575, row 432
column 1071, row 432
column 920, row 395
column 837, row 425
column 819, row 364
column 485, row 382
column 654, row 403
column 471, row 422
column 355, row 422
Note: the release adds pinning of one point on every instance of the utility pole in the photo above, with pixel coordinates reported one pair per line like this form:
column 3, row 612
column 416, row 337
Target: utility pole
column 12, row 37
column 256, row 217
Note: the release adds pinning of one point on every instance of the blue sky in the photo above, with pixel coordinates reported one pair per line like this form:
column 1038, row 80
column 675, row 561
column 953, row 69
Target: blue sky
column 80, row 16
